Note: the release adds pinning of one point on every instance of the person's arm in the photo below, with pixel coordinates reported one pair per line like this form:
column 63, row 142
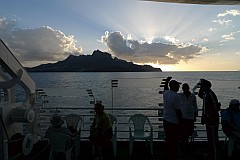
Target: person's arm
column 201, row 93
column 166, row 83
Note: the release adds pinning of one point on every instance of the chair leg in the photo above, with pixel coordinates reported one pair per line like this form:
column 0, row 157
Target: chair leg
column 69, row 154
column 130, row 147
column 77, row 148
column 114, row 148
column 230, row 146
column 93, row 150
column 151, row 146
column 51, row 155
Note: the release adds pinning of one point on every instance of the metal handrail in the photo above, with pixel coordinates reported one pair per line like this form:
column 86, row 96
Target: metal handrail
column 122, row 129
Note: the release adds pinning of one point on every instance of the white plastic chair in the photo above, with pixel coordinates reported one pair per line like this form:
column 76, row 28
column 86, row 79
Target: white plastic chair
column 114, row 137
column 75, row 121
column 137, row 125
column 59, row 144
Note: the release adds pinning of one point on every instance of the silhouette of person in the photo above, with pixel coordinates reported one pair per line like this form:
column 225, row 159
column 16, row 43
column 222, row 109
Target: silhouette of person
column 101, row 129
column 56, row 128
column 210, row 117
column 171, row 117
column 230, row 120
column 189, row 112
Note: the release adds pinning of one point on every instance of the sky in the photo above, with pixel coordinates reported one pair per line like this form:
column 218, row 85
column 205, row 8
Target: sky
column 170, row 36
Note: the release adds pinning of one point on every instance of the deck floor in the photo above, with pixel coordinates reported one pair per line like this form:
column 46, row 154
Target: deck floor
column 191, row 151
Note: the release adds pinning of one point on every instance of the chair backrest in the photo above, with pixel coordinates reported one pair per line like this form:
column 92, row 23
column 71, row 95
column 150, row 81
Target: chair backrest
column 73, row 120
column 114, row 123
column 112, row 118
column 59, row 141
column 138, row 121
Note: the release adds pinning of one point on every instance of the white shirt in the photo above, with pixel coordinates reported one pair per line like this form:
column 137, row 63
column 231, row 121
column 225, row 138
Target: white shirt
column 171, row 102
column 189, row 105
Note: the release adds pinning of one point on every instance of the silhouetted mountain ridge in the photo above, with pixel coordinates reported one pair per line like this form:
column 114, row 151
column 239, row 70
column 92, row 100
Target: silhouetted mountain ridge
column 97, row 62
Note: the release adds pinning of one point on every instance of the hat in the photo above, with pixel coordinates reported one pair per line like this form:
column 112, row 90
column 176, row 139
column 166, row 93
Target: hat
column 204, row 82
column 56, row 120
column 174, row 82
column 234, row 102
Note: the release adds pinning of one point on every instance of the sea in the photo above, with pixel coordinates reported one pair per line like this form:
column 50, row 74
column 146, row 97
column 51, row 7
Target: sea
column 134, row 89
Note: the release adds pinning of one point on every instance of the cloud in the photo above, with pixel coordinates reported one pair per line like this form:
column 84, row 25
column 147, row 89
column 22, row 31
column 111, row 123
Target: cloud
column 43, row 44
column 232, row 12
column 237, row 53
column 223, row 22
column 205, row 40
column 229, row 37
column 212, row 29
column 165, row 50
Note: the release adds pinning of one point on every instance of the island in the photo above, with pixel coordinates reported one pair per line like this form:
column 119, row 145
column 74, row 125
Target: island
column 97, row 62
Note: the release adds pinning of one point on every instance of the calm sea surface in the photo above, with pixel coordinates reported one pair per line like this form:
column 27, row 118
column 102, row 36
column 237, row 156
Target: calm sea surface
column 68, row 89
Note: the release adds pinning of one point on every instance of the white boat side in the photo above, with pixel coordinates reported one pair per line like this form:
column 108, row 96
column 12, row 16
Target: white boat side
column 13, row 115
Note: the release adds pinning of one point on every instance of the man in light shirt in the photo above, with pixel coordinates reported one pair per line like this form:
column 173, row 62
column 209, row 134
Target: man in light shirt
column 171, row 117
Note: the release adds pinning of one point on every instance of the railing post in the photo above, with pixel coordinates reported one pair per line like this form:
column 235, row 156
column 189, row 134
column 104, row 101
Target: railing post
column 114, row 83
column 90, row 94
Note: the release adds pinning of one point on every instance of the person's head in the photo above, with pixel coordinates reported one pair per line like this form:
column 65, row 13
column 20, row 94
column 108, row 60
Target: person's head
column 98, row 107
column 205, row 85
column 185, row 87
column 234, row 105
column 174, row 85
column 56, row 120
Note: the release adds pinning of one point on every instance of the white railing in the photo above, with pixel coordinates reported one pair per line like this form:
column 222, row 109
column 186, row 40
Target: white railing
column 122, row 114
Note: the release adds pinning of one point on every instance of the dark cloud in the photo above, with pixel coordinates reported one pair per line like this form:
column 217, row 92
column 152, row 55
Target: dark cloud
column 161, row 49
column 42, row 44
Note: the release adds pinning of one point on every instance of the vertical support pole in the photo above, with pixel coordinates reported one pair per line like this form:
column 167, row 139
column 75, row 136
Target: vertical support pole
column 114, row 83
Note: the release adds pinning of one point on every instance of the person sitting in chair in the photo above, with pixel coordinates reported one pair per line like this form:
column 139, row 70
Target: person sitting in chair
column 101, row 129
column 230, row 119
column 56, row 126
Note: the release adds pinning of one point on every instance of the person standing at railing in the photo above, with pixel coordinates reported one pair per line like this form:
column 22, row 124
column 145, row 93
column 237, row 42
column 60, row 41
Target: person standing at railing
column 210, row 117
column 171, row 117
column 101, row 129
column 230, row 120
column 189, row 112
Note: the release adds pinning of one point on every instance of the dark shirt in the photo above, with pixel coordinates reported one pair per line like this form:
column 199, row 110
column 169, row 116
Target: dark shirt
column 211, row 107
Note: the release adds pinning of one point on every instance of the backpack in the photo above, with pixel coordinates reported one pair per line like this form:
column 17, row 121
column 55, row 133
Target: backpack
column 226, row 129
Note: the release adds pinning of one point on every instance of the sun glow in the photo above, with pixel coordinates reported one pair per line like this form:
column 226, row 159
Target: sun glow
column 164, row 67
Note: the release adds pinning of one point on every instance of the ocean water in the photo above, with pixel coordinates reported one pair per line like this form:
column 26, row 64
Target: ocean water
column 135, row 89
